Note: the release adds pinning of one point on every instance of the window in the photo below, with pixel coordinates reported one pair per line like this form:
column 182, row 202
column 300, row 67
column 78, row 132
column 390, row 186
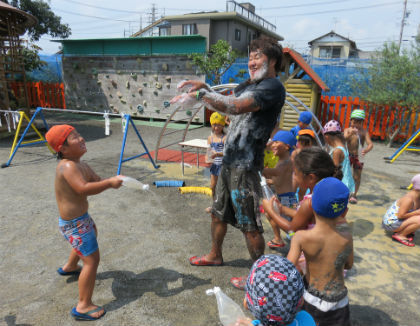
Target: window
column 189, row 29
column 237, row 34
column 164, row 31
column 328, row 52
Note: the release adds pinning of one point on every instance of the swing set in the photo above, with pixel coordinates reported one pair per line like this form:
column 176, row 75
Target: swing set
column 19, row 142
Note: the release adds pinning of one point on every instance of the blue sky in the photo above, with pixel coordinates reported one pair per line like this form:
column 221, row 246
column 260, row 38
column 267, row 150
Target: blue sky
column 369, row 23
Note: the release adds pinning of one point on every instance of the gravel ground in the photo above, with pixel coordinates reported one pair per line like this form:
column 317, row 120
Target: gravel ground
column 145, row 238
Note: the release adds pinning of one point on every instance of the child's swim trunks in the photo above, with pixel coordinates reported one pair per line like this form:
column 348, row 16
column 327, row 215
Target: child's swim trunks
column 354, row 161
column 80, row 232
column 390, row 221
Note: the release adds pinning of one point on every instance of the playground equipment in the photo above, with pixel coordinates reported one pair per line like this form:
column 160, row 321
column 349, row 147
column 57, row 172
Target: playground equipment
column 126, row 120
column 405, row 147
column 227, row 89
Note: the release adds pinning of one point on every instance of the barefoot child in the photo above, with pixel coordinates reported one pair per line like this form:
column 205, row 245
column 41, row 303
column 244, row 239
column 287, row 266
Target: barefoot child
column 281, row 176
column 304, row 121
column 216, row 141
column 274, row 290
column 335, row 140
column 403, row 217
column 356, row 137
column 327, row 252
column 74, row 181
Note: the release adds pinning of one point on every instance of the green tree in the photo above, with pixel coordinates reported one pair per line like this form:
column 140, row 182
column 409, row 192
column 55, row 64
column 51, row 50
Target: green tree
column 217, row 61
column 48, row 23
column 393, row 79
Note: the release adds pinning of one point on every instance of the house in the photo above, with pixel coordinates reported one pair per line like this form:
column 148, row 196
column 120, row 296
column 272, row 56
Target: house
column 238, row 25
column 333, row 46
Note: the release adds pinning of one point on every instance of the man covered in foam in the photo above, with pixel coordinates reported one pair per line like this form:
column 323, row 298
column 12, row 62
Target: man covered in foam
column 253, row 110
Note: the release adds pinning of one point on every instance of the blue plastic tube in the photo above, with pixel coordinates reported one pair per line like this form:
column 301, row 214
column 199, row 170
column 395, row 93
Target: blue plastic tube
column 169, row 183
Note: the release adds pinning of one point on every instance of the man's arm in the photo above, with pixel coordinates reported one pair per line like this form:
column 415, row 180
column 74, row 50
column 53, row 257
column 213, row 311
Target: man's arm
column 349, row 263
column 229, row 104
column 77, row 182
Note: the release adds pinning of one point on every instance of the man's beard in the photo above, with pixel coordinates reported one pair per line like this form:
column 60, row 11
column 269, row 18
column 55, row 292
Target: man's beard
column 260, row 73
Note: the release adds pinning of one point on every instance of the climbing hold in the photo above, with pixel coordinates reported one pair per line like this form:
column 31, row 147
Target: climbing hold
column 127, row 84
column 145, row 84
column 168, row 79
column 133, row 75
column 168, row 85
column 157, row 111
column 140, row 108
column 188, row 113
column 144, row 103
column 156, row 77
column 119, row 94
column 114, row 83
column 166, row 104
column 158, row 85
column 123, row 101
column 165, row 67
column 139, row 61
column 156, row 92
column 140, row 90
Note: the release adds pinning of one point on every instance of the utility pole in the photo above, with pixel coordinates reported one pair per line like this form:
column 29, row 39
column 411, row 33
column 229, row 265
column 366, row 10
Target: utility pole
column 402, row 24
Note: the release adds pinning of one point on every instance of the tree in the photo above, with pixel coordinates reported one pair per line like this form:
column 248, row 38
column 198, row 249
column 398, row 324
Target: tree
column 48, row 23
column 393, row 79
column 217, row 61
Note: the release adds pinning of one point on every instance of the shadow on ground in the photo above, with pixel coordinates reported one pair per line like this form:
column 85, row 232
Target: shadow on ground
column 128, row 286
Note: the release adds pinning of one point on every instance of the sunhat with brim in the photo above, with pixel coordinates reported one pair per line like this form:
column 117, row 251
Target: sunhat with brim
column 358, row 114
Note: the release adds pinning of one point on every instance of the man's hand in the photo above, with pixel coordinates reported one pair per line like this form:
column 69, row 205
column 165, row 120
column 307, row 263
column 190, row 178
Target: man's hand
column 193, row 84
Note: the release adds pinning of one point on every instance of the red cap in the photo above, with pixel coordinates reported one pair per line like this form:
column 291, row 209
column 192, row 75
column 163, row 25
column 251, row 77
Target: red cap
column 57, row 135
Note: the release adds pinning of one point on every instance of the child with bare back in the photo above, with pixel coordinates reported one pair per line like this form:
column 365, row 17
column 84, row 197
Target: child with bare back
column 328, row 249
column 74, row 181
column 356, row 137
column 281, row 177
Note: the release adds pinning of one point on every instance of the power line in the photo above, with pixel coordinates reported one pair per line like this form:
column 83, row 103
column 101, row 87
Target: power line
column 305, row 5
column 337, row 10
column 104, row 8
column 96, row 17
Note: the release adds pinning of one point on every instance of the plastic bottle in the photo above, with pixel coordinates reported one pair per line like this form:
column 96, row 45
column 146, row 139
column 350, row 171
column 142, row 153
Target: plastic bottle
column 229, row 310
column 209, row 151
column 268, row 193
column 133, row 183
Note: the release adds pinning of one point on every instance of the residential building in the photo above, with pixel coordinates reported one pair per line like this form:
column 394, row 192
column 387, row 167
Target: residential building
column 238, row 25
column 333, row 46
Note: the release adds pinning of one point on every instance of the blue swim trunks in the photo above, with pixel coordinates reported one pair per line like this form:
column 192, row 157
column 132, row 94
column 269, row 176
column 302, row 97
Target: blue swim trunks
column 80, row 232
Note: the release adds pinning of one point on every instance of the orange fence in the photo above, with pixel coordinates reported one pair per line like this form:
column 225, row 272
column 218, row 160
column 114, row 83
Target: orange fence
column 47, row 95
column 380, row 120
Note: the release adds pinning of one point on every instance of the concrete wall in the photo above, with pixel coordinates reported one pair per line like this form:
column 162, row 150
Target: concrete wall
column 139, row 85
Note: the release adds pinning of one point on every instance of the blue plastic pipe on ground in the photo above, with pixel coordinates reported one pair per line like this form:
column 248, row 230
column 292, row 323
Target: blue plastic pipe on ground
column 169, row 183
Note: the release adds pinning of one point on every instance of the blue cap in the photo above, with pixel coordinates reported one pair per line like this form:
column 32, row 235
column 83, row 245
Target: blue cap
column 286, row 137
column 305, row 117
column 330, row 197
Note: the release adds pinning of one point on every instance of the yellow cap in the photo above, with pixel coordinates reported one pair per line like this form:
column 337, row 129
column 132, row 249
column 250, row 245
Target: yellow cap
column 217, row 118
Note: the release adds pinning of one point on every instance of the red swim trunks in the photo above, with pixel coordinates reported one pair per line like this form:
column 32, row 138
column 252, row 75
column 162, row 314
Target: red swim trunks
column 354, row 162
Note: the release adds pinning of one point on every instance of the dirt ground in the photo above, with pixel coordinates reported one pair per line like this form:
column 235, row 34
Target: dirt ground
column 146, row 237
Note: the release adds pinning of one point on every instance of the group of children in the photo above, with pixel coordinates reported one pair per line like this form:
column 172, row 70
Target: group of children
column 321, row 246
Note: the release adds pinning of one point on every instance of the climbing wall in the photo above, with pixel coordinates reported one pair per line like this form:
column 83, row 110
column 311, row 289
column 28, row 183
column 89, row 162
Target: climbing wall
column 139, row 85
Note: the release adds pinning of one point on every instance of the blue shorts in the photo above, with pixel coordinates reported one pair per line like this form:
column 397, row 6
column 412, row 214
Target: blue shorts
column 288, row 199
column 215, row 169
column 80, row 232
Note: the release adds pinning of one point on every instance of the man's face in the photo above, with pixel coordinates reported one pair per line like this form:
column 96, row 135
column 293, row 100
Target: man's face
column 258, row 65
column 356, row 123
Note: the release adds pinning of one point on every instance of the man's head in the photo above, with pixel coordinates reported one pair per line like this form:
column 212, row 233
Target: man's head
column 330, row 198
column 265, row 58
column 282, row 142
column 274, row 290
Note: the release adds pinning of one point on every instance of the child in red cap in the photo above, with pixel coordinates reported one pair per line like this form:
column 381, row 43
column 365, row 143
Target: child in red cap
column 74, row 181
